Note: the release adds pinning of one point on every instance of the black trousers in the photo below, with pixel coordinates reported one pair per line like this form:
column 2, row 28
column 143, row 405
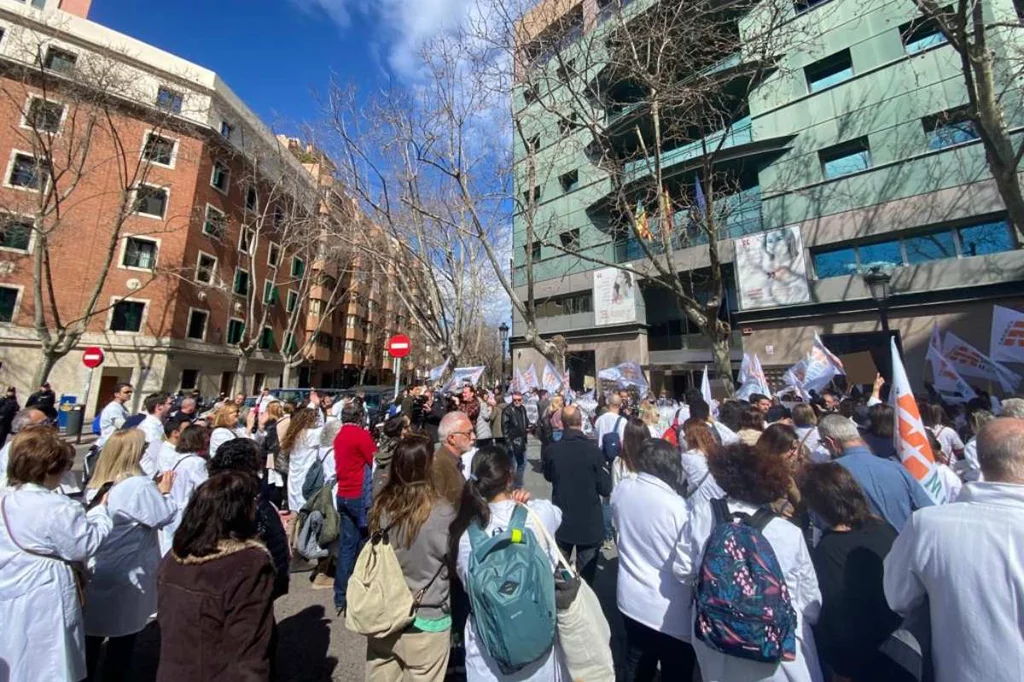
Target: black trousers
column 646, row 648
column 586, row 558
column 117, row 661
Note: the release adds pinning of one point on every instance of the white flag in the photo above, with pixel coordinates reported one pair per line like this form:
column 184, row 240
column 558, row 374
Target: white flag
column 437, row 372
column 822, row 366
column 549, row 380
column 948, row 383
column 705, row 387
column 1007, row 343
column 746, row 369
column 971, row 362
column 530, row 378
column 518, row 384
column 761, row 379
column 909, row 435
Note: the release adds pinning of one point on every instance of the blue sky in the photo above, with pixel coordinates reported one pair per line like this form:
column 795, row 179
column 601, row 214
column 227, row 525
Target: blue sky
column 275, row 53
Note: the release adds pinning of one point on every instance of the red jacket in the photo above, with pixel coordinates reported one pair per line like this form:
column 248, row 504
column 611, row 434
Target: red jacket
column 353, row 451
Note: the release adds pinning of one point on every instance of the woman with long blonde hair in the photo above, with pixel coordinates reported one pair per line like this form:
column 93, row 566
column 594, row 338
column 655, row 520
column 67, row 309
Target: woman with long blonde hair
column 121, row 595
column 224, row 423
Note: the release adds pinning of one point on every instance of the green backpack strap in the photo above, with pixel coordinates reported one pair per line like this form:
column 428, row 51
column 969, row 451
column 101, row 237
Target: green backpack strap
column 517, row 525
column 476, row 535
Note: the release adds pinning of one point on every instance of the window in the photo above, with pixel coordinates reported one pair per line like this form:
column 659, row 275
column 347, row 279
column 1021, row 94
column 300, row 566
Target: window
column 236, row 328
column 267, row 339
column 948, row 128
column 324, row 340
column 835, row 263
column 349, row 345
column 226, row 129
column 206, row 267
column 43, row 115
column 920, row 34
column 60, row 60
column 570, row 240
column 220, row 177
column 531, row 195
column 351, row 321
column 139, row 253
column 8, row 303
column 15, row 233
column 197, row 324
column 882, row 252
column 216, row 222
column 566, row 305
column 127, row 316
column 298, row 267
column 829, row 71
column 250, row 199
column 991, row 237
column 567, row 124
column 151, row 201
column 278, row 216
column 271, row 296
column 291, row 347
column 531, row 94
column 27, row 172
column 247, row 241
column 565, row 71
column 169, row 100
column 569, row 180
column 802, row 6
column 291, row 302
column 189, row 379
column 845, row 158
column 533, row 250
column 930, row 247
column 241, row 285
column 159, row 150
column 273, row 255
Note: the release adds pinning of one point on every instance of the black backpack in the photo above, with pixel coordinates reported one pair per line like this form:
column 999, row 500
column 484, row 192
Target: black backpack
column 611, row 443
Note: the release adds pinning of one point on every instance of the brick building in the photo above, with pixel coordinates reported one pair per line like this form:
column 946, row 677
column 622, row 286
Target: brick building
column 126, row 160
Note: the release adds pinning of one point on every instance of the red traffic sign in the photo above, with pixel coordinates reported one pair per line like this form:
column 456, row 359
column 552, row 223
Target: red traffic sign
column 92, row 357
column 399, row 346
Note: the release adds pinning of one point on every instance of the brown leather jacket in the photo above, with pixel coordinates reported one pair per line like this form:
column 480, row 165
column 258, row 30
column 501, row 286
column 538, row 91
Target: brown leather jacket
column 216, row 615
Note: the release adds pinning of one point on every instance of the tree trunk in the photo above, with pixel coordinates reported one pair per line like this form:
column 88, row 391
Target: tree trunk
column 286, row 375
column 240, row 369
column 45, row 366
column 362, row 376
column 720, row 352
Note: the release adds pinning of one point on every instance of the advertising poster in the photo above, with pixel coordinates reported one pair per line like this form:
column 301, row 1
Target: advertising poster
column 615, row 293
column 771, row 270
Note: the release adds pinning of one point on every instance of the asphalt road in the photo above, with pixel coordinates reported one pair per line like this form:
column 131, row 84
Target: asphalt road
column 314, row 646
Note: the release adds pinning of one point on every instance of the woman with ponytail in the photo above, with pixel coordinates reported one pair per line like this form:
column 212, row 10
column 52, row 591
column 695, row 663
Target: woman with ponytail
column 489, row 498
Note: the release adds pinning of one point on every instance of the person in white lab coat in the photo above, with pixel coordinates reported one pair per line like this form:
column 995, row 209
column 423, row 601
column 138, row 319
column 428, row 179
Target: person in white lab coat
column 114, row 414
column 23, row 419
column 157, row 406
column 41, row 534
column 753, row 480
column 225, row 427
column 306, row 443
column 168, row 455
column 190, row 469
column 489, row 498
column 121, row 595
column 649, row 514
column 965, row 559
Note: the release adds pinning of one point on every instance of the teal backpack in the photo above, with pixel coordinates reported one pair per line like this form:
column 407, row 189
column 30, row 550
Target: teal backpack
column 512, row 594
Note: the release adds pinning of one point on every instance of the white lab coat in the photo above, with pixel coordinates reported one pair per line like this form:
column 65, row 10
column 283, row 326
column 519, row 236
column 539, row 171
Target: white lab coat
column 312, row 447
column 121, row 595
column 795, row 561
column 467, row 462
column 154, row 430
column 41, row 631
column 966, row 557
column 649, row 516
column 969, row 469
column 701, row 484
column 480, row 667
column 189, row 473
column 811, row 439
column 68, row 481
column 111, row 418
column 222, row 435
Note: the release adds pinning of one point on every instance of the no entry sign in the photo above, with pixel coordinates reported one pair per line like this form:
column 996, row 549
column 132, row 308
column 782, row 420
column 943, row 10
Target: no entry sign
column 92, row 357
column 399, row 346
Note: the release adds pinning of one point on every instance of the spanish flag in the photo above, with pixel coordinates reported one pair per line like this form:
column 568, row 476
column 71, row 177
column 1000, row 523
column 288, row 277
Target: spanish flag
column 643, row 228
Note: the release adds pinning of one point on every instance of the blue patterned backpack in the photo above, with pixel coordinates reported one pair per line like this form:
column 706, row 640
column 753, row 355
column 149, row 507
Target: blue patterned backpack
column 742, row 604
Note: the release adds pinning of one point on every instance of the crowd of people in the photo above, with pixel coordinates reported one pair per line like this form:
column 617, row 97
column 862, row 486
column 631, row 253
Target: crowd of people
column 754, row 540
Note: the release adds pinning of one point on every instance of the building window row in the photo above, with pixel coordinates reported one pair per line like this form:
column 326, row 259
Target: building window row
column 975, row 239
column 566, row 305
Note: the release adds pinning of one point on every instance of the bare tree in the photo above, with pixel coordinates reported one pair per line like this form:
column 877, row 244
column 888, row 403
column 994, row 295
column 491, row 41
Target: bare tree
column 986, row 38
column 655, row 97
column 79, row 149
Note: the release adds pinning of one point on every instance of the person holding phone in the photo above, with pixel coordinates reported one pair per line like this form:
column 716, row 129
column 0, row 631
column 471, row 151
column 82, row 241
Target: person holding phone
column 121, row 595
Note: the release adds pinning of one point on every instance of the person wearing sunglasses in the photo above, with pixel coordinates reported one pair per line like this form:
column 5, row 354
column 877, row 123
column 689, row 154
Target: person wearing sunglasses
column 514, row 425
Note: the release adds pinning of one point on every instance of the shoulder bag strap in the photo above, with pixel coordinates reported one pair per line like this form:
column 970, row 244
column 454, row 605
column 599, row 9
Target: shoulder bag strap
column 178, row 463
column 761, row 518
column 691, row 493
column 420, row 593
column 720, row 508
column 10, row 534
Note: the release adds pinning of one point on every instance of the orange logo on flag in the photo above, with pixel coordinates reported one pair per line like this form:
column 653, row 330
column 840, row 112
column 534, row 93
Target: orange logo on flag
column 1013, row 335
column 914, row 438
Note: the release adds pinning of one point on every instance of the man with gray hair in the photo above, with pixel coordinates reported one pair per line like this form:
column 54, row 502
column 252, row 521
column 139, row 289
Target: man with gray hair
column 453, row 460
column 890, row 489
column 1013, row 408
column 965, row 559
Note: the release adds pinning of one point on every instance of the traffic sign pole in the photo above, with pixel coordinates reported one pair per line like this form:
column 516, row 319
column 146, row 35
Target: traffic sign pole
column 398, row 373
column 85, row 402
column 92, row 358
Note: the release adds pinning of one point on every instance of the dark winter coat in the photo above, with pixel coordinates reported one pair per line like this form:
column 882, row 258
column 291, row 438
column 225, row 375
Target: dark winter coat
column 44, row 401
column 579, row 478
column 216, row 615
column 271, row 533
column 514, row 424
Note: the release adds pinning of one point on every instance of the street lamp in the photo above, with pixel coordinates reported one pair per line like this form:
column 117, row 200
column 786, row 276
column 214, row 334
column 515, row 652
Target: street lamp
column 878, row 281
column 503, row 330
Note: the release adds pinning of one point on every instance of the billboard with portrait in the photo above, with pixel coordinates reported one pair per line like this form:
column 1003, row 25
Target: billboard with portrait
column 615, row 293
column 771, row 269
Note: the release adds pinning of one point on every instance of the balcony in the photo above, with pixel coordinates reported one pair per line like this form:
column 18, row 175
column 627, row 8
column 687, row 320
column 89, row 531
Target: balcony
column 738, row 134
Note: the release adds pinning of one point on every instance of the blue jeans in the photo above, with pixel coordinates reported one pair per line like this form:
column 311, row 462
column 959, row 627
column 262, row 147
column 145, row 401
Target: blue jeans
column 606, row 512
column 519, row 457
column 353, row 535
